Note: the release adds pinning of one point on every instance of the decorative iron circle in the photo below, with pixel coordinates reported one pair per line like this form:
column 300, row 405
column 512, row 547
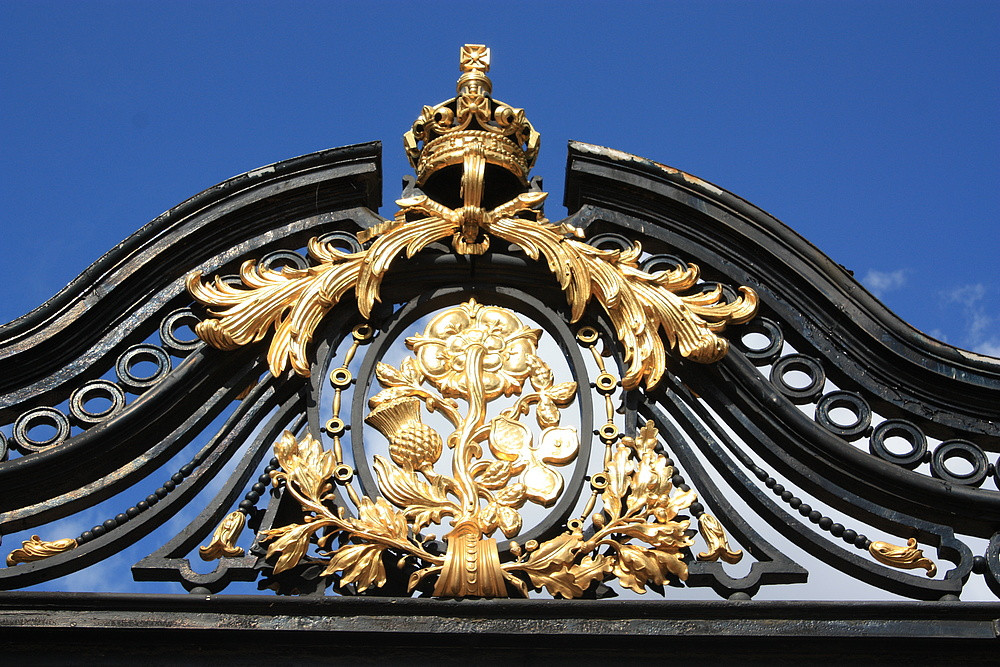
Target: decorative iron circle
column 168, row 331
column 605, row 382
column 996, row 472
column 765, row 354
column 608, row 431
column 89, row 391
column 335, row 426
column 283, row 259
column 341, row 378
column 599, row 481
column 899, row 428
column 136, row 355
column 851, row 401
column 587, row 335
column 40, row 417
column 610, row 242
column 965, row 450
column 3, row 447
column 803, row 364
column 655, row 263
column 341, row 241
column 363, row 332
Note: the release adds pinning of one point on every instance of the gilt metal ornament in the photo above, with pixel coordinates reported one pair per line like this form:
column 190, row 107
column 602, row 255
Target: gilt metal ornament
column 468, row 358
column 642, row 306
column 474, row 355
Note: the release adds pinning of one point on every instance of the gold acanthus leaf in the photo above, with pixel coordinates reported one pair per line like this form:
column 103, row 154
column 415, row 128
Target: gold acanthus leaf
column 907, row 558
column 223, row 542
column 717, row 542
column 640, row 304
column 38, row 549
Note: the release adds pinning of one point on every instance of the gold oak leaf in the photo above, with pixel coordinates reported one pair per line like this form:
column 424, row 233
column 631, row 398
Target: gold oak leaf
column 589, row 569
column 558, row 551
column 291, row 543
column 618, row 482
column 635, row 567
column 361, row 563
column 557, row 581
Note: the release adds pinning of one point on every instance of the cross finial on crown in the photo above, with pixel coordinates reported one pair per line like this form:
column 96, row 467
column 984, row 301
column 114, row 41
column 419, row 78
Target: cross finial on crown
column 474, row 58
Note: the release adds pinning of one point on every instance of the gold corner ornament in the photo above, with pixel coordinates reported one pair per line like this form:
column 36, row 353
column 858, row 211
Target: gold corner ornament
column 480, row 354
column 906, row 558
column 473, row 130
column 38, row 549
column 223, row 543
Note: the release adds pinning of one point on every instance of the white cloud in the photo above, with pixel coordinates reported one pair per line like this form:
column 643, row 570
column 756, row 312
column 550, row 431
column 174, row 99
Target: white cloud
column 991, row 348
column 982, row 325
column 880, row 282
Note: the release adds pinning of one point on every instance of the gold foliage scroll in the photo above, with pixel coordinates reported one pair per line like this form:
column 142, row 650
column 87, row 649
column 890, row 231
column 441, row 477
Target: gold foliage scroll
column 907, row 558
column 636, row 537
column 38, row 549
column 641, row 305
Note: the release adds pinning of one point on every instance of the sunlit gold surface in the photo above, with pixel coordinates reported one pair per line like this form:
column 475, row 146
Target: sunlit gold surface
column 477, row 354
column 635, row 537
column 223, row 544
column 38, row 549
column 907, row 558
column 642, row 306
column 718, row 545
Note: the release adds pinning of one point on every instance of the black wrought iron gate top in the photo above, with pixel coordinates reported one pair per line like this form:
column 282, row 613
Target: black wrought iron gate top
column 668, row 393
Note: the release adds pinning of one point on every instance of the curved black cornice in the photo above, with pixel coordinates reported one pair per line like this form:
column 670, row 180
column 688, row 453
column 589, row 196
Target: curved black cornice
column 68, row 336
column 868, row 346
column 730, row 428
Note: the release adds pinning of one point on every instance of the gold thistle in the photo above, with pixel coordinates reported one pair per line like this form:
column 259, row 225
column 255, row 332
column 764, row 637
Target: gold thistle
column 474, row 131
column 412, row 444
column 38, row 549
column 481, row 354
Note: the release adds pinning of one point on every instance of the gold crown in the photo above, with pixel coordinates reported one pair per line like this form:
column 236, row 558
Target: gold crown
column 442, row 134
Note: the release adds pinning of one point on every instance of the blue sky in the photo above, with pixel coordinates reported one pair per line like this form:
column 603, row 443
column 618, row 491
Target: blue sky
column 868, row 127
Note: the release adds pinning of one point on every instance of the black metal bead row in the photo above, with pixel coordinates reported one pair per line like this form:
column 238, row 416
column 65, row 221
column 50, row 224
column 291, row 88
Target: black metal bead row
column 249, row 502
column 143, row 505
column 815, row 516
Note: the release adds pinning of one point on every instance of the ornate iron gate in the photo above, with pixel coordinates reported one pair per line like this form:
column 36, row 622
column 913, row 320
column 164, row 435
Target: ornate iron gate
column 648, row 397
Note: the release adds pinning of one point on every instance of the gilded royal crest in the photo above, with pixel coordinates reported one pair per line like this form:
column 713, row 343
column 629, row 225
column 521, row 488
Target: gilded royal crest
column 474, row 479
column 468, row 357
